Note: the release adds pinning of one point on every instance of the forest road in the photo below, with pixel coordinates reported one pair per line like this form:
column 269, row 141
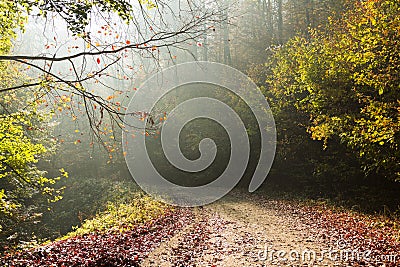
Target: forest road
column 242, row 230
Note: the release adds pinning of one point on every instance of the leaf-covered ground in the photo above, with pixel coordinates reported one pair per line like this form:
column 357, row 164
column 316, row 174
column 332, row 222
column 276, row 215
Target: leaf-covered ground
column 374, row 235
column 105, row 249
column 240, row 230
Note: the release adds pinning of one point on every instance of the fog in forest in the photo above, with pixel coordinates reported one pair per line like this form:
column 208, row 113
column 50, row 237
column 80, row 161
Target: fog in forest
column 328, row 69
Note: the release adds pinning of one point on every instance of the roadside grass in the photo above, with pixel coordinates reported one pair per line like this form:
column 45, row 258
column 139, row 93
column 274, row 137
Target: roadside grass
column 121, row 217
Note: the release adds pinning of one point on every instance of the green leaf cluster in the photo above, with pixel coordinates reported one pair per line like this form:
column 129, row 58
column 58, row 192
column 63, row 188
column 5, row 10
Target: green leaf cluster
column 12, row 17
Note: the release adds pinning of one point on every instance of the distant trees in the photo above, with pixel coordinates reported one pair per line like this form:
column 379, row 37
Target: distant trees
column 302, row 15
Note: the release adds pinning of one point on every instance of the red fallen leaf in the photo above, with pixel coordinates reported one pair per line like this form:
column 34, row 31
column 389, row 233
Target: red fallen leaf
column 98, row 60
column 128, row 42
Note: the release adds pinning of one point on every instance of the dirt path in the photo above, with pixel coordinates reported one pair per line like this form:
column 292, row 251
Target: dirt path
column 241, row 231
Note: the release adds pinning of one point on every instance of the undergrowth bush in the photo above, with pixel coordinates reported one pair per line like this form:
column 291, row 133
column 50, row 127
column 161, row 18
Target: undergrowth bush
column 122, row 217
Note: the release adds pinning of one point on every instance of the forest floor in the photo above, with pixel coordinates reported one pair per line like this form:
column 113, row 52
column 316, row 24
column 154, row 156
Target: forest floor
column 239, row 230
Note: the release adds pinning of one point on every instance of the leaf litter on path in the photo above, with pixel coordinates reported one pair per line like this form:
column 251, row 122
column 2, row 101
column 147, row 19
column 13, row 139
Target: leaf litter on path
column 239, row 230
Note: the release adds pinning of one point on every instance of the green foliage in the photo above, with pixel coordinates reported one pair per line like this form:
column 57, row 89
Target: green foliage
column 346, row 81
column 26, row 190
column 11, row 18
column 83, row 198
column 18, row 154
